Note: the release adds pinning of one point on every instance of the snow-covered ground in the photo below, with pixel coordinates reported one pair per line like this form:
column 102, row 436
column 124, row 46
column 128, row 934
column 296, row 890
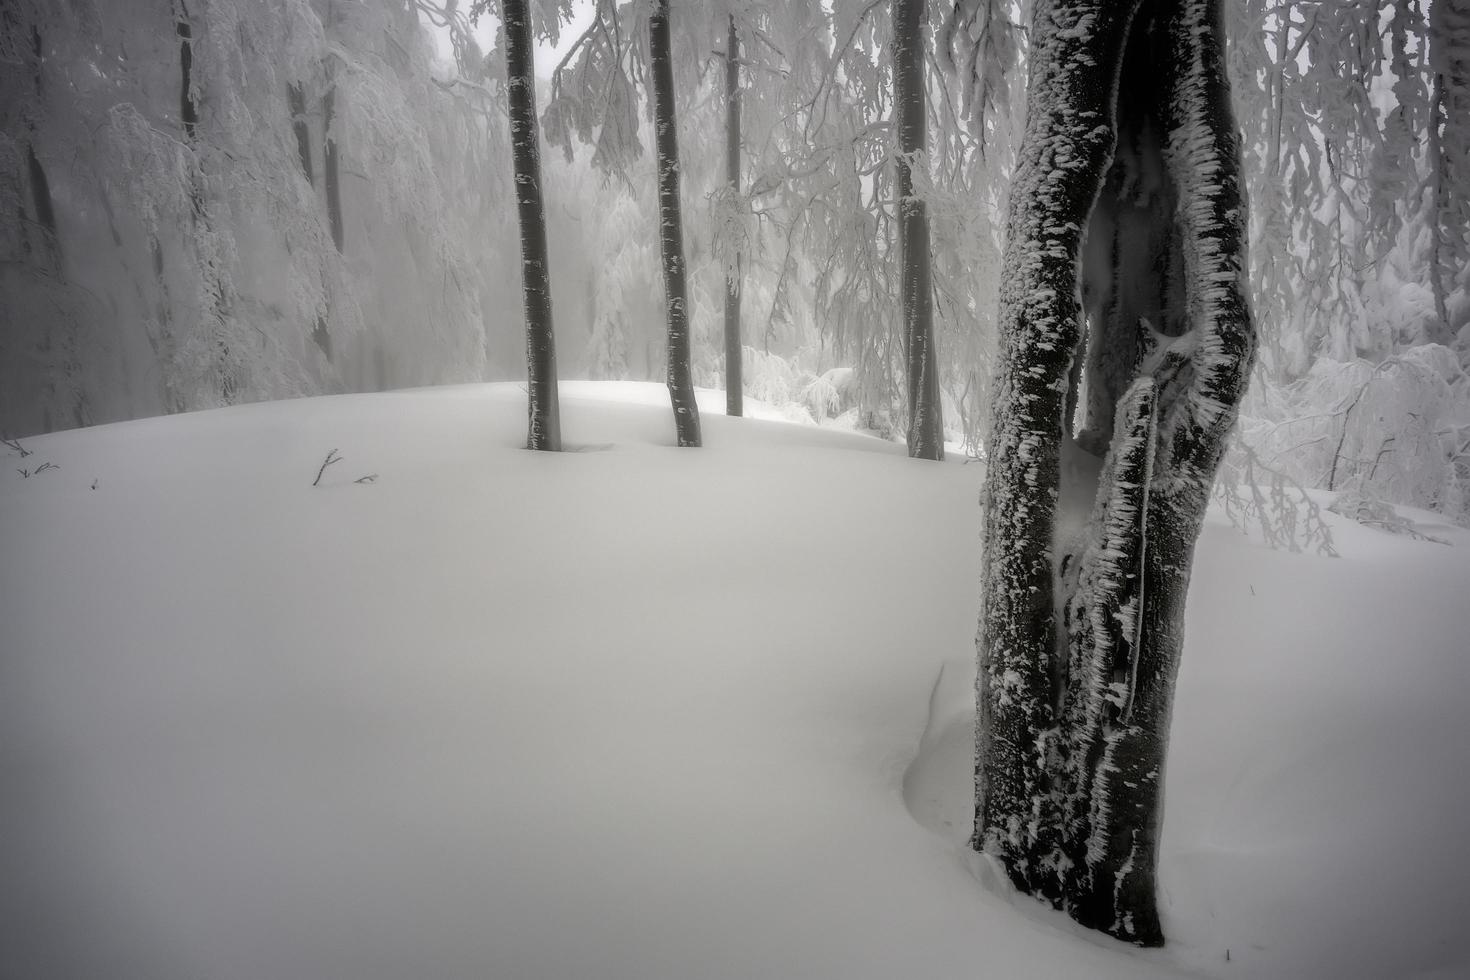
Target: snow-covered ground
column 640, row 712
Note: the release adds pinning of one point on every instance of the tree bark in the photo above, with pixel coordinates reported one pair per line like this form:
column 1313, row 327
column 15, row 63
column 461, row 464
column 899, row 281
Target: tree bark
column 925, row 422
column 544, row 411
column 332, row 166
column 228, row 380
column 1080, row 639
column 734, row 384
column 296, row 102
column 1449, row 145
column 671, row 228
column 42, row 203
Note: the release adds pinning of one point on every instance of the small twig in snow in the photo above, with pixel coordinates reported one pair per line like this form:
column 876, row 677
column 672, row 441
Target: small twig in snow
column 332, row 457
column 14, row 446
column 370, row 478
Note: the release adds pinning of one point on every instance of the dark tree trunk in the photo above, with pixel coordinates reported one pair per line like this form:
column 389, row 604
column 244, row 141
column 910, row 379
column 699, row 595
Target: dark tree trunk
column 1449, row 147
column 925, row 422
column 332, row 166
column 296, row 101
column 734, row 385
column 544, row 408
column 671, row 227
column 42, row 204
column 228, row 379
column 188, row 102
column 1081, row 638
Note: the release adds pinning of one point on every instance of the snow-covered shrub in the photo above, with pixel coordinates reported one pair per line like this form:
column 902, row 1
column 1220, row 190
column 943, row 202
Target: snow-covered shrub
column 826, row 395
column 1398, row 430
column 1372, row 512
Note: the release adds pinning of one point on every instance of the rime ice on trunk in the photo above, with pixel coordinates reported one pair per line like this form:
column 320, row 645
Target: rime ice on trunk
column 925, row 424
column 733, row 382
column 1082, row 632
column 544, row 408
column 671, row 229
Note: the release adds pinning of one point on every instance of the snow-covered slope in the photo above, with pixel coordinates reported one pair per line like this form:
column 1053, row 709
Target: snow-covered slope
column 641, row 712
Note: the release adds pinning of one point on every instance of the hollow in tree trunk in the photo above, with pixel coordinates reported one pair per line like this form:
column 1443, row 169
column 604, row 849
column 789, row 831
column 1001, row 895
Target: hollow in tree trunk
column 1083, row 619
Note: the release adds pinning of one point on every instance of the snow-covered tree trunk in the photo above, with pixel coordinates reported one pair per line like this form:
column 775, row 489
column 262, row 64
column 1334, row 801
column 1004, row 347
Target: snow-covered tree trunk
column 733, row 380
column 43, row 209
column 228, row 377
column 1083, row 622
column 925, row 423
column 331, row 154
column 671, row 227
column 1449, row 162
column 544, row 406
column 296, row 102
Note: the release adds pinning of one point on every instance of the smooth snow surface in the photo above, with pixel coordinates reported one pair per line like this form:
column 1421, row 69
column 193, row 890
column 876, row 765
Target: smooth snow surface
column 641, row 712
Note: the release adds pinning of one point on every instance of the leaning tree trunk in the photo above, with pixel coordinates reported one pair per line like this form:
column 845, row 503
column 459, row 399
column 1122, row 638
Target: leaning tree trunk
column 671, row 227
column 544, row 407
column 925, row 423
column 734, row 385
column 1082, row 632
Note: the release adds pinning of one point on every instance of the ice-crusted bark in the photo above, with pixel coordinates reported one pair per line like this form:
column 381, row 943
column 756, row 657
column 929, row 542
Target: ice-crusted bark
column 671, row 227
column 1063, row 157
column 543, row 403
column 1070, row 773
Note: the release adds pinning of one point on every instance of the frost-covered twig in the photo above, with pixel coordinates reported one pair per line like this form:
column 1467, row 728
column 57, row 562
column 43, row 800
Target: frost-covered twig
column 1284, row 513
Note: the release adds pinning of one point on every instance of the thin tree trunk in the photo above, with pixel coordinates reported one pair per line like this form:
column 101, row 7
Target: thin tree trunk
column 1449, row 59
column 229, row 382
column 188, row 103
column 296, row 101
column 42, row 204
column 331, row 166
column 544, row 428
column 925, row 422
column 671, row 227
column 734, row 393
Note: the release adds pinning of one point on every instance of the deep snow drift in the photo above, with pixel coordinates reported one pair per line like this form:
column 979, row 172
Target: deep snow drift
column 641, row 712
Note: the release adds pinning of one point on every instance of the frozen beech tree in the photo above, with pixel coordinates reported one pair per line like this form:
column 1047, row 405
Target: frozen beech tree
column 1126, row 342
column 544, row 422
column 921, row 376
column 671, row 226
